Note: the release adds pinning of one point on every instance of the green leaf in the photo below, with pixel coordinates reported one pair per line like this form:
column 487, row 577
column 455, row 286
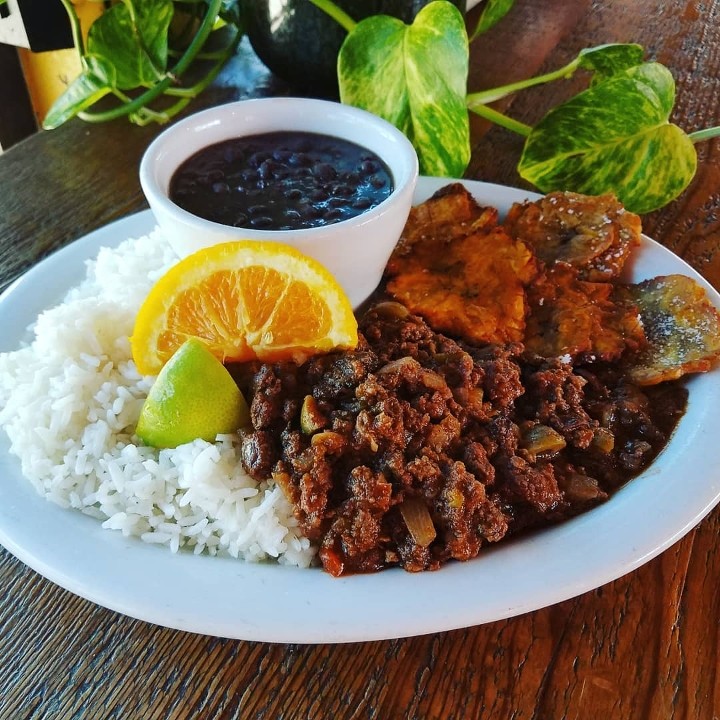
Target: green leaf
column 93, row 83
column 611, row 59
column 133, row 36
column 614, row 137
column 414, row 76
column 493, row 12
column 605, row 60
column 230, row 12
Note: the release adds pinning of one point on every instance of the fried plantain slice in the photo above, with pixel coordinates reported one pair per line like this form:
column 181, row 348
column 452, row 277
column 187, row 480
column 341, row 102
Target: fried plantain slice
column 594, row 234
column 681, row 324
column 573, row 318
column 472, row 288
column 450, row 213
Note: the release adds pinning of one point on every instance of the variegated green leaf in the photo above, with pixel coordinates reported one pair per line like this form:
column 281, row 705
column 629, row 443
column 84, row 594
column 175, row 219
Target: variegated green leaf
column 614, row 137
column 93, row 83
column 415, row 77
column 492, row 13
column 608, row 60
column 133, row 35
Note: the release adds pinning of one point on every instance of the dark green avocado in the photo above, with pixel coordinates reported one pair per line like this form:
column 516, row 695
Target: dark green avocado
column 300, row 43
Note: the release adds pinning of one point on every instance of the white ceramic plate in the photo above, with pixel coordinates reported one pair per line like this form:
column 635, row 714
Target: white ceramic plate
column 233, row 599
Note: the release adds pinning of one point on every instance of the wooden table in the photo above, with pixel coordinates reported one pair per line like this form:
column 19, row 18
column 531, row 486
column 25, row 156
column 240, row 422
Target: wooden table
column 644, row 646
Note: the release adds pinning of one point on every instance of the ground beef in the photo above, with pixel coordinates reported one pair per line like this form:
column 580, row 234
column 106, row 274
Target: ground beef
column 474, row 443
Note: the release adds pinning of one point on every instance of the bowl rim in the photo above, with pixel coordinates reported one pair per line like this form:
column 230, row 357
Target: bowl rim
column 404, row 165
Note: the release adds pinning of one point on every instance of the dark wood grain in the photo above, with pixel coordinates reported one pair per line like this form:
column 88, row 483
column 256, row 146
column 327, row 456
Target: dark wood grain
column 643, row 647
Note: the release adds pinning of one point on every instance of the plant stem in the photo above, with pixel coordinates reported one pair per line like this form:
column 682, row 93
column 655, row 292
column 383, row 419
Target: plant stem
column 336, row 13
column 503, row 120
column 705, row 134
column 160, row 87
column 487, row 96
column 198, row 87
column 145, row 115
column 200, row 37
column 77, row 35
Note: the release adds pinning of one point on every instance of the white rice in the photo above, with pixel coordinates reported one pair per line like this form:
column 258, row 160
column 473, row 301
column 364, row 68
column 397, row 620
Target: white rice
column 70, row 401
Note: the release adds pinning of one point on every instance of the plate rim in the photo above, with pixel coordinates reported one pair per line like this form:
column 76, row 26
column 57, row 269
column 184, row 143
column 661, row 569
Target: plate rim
column 313, row 607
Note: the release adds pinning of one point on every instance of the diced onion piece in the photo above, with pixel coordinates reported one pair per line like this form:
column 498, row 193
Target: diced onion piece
column 403, row 363
column 333, row 442
column 284, row 482
column 433, row 380
column 391, row 310
column 580, row 488
column 603, row 440
column 455, row 499
column 419, row 523
column 311, row 417
column 542, row 439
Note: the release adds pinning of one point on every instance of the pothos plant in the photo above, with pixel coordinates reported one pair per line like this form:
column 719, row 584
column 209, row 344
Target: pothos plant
column 147, row 59
column 614, row 136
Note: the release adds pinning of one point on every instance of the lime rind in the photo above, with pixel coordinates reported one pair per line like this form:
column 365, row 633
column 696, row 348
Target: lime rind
column 194, row 397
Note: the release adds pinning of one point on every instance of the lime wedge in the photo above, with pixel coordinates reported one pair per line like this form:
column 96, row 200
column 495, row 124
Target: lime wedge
column 194, row 396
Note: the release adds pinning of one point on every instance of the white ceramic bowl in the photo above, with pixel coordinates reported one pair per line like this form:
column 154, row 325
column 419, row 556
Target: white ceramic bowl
column 354, row 250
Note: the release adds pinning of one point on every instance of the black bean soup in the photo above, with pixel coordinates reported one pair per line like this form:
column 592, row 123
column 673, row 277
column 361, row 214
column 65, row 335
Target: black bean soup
column 281, row 181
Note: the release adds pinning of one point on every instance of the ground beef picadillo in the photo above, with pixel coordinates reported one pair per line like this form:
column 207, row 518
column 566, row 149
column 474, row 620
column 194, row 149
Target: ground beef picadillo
column 476, row 444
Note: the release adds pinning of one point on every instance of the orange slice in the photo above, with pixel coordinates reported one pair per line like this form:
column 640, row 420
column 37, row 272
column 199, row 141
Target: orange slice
column 247, row 300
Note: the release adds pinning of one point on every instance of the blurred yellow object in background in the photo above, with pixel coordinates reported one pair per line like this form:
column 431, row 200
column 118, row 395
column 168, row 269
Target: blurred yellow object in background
column 47, row 74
